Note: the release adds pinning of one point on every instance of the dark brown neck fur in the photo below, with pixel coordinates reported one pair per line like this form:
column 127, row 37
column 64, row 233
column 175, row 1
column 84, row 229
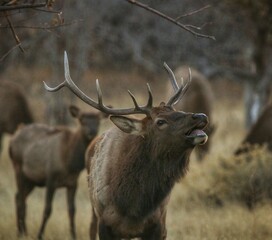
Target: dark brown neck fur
column 149, row 177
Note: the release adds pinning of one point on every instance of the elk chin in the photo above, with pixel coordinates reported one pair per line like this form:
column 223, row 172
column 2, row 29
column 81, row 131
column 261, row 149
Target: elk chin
column 198, row 137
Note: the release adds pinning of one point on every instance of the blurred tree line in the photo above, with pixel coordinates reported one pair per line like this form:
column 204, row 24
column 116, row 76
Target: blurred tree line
column 259, row 14
column 116, row 34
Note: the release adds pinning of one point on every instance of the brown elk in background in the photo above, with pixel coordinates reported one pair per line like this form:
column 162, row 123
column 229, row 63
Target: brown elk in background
column 199, row 98
column 52, row 157
column 260, row 133
column 133, row 168
column 14, row 108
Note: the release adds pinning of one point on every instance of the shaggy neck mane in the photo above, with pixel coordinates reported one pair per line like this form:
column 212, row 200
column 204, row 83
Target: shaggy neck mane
column 150, row 171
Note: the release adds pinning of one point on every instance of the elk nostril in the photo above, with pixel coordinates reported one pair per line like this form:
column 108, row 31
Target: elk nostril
column 200, row 116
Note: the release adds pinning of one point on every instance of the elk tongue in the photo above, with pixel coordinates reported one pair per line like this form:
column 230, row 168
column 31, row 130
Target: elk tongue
column 199, row 136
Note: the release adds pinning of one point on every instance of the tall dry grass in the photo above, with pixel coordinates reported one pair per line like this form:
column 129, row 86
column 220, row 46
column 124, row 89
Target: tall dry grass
column 189, row 217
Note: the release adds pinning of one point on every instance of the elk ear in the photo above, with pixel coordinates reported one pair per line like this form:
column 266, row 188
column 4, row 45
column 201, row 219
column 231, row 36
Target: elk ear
column 75, row 111
column 128, row 125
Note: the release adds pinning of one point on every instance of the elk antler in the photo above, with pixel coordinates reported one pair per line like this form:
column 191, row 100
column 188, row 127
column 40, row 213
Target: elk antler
column 68, row 82
column 179, row 91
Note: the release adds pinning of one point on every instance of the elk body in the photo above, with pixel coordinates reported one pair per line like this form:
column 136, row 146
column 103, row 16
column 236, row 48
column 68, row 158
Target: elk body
column 260, row 133
column 133, row 167
column 52, row 157
column 199, row 98
column 13, row 107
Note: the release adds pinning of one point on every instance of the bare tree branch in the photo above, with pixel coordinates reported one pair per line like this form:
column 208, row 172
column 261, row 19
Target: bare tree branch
column 49, row 27
column 15, row 7
column 47, row 11
column 11, row 6
column 9, row 51
column 14, row 33
column 193, row 12
column 146, row 7
column 196, row 27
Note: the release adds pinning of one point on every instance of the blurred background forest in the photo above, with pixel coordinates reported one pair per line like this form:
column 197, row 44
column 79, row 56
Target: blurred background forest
column 118, row 36
column 124, row 47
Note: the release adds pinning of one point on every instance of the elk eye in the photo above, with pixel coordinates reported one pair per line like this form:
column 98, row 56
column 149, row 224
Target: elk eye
column 161, row 123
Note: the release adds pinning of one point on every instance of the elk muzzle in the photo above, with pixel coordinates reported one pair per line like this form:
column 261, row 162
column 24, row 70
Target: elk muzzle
column 196, row 135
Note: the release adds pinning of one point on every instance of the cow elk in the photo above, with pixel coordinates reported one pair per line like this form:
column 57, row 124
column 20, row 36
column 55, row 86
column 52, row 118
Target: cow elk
column 133, row 168
column 199, row 98
column 13, row 107
column 52, row 157
column 260, row 133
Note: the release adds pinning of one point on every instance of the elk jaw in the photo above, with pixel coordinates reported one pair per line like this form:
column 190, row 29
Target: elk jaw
column 196, row 135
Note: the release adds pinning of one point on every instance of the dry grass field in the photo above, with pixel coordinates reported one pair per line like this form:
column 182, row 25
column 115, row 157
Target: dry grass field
column 189, row 217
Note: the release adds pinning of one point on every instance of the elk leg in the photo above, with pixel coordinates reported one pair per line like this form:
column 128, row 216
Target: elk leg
column 156, row 232
column 71, row 191
column 105, row 233
column 1, row 141
column 93, row 226
column 24, row 189
column 50, row 190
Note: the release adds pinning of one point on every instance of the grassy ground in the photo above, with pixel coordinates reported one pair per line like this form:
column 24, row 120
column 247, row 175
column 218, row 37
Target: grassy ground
column 189, row 216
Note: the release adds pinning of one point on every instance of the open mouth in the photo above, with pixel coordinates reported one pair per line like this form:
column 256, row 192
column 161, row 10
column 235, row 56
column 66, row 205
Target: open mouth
column 197, row 135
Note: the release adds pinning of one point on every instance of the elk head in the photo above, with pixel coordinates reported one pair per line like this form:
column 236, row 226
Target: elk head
column 163, row 121
column 89, row 121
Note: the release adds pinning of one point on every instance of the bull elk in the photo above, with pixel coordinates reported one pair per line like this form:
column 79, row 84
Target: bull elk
column 199, row 98
column 260, row 133
column 52, row 157
column 13, row 107
column 133, row 168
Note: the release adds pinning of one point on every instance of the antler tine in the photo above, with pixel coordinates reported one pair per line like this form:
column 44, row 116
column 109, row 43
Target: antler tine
column 50, row 89
column 181, row 90
column 68, row 82
column 99, row 92
column 102, row 107
column 134, row 100
column 182, row 81
column 187, row 85
column 67, row 76
column 146, row 109
column 150, row 97
column 172, row 77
